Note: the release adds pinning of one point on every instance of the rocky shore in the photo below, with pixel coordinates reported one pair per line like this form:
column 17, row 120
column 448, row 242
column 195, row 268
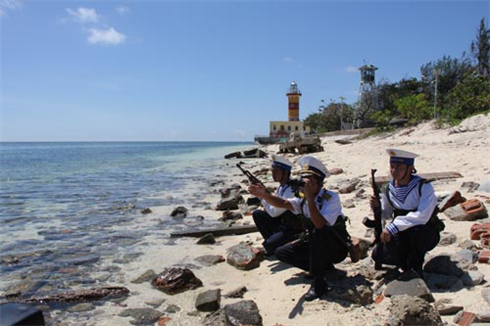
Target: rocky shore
column 226, row 280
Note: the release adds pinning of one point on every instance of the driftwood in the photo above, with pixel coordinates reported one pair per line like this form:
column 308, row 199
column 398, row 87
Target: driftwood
column 219, row 231
column 81, row 295
column 427, row 176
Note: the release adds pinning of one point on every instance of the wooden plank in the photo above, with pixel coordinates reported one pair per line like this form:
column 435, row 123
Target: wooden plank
column 218, row 231
column 429, row 176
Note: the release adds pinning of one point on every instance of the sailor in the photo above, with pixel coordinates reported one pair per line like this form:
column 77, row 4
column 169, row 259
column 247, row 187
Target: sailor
column 412, row 205
column 272, row 222
column 325, row 244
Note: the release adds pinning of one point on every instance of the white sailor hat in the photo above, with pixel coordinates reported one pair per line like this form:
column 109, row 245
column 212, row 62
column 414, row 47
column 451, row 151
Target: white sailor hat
column 312, row 166
column 281, row 163
column 399, row 156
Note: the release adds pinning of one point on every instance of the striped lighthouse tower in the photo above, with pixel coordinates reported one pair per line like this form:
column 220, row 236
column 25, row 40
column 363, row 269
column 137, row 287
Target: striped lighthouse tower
column 293, row 102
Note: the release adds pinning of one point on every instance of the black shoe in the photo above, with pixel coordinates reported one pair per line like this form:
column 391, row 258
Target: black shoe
column 314, row 293
column 410, row 274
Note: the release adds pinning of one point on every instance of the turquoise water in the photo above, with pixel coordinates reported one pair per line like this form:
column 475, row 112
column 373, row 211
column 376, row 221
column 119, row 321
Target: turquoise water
column 74, row 205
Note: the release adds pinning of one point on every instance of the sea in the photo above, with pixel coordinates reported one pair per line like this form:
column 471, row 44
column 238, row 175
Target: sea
column 72, row 213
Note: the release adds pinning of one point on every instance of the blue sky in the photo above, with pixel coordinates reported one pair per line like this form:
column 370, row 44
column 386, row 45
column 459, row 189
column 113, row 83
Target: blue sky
column 204, row 70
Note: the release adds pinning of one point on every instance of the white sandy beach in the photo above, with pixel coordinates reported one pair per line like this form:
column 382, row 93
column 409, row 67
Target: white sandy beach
column 277, row 288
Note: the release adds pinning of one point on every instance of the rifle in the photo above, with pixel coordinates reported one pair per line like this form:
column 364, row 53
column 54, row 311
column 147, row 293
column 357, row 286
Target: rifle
column 377, row 222
column 253, row 179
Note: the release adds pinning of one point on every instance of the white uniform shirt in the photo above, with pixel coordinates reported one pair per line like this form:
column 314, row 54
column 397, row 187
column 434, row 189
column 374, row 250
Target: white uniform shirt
column 283, row 191
column 408, row 198
column 330, row 209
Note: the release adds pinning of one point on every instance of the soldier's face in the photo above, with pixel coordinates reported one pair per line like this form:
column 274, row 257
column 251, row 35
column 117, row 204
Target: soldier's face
column 399, row 171
column 277, row 174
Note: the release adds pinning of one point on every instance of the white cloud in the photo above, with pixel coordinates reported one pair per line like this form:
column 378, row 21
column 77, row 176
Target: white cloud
column 351, row 69
column 84, row 15
column 288, row 59
column 6, row 5
column 108, row 36
column 122, row 10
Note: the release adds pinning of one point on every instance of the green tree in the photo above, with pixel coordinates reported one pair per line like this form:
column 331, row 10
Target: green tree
column 480, row 49
column 316, row 122
column 328, row 117
column 469, row 97
column 415, row 108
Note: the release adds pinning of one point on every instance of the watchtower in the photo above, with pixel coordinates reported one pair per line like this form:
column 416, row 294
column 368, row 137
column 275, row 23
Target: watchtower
column 293, row 102
column 367, row 99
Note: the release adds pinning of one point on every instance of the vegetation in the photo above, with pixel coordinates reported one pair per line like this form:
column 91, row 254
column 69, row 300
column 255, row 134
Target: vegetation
column 463, row 89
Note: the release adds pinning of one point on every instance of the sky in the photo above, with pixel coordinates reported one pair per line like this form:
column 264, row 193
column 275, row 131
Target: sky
column 161, row 70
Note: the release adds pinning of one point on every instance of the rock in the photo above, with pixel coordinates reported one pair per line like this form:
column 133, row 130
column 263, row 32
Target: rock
column 360, row 194
column 485, row 293
column 445, row 307
column 209, row 260
column 217, row 318
column 208, row 300
column 146, row 211
column 349, row 203
column 243, row 313
column 483, row 316
column 451, row 200
column 464, row 318
column 245, row 257
column 364, row 246
column 485, row 186
column 468, row 245
column 176, row 280
column 348, row 186
column 448, row 265
column 81, row 307
column 163, row 320
column 352, row 289
column 415, row 287
column 472, row 278
column 441, row 281
column 470, row 210
column 447, row 239
column 142, row 316
column 194, row 221
column 229, row 215
column 406, row 310
column 468, row 255
column 334, row 171
column 172, row 308
column 207, row 239
column 155, row 303
column 179, row 212
column 236, row 293
column 472, row 186
column 91, row 294
column 228, row 203
column 145, row 277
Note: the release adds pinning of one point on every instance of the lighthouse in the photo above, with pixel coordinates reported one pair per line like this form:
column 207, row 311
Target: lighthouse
column 281, row 130
column 293, row 102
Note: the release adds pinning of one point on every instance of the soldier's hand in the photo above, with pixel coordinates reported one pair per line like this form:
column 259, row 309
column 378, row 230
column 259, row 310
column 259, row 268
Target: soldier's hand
column 309, row 189
column 257, row 190
column 374, row 203
column 385, row 236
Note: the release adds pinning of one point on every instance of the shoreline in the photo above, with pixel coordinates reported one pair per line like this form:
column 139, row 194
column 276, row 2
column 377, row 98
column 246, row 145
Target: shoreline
column 276, row 287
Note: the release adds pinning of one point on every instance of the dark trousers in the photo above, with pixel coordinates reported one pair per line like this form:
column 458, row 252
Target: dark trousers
column 317, row 254
column 273, row 231
column 408, row 248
